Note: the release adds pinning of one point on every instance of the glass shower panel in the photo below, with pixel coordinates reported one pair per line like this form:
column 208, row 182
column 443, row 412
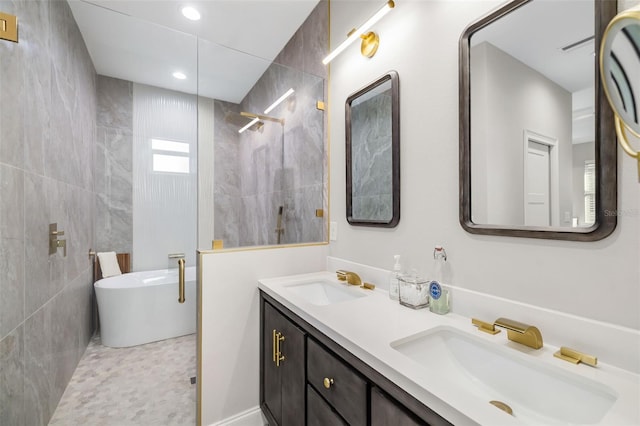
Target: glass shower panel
column 264, row 179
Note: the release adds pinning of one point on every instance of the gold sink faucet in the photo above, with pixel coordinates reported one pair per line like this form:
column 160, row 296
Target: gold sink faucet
column 350, row 277
column 525, row 334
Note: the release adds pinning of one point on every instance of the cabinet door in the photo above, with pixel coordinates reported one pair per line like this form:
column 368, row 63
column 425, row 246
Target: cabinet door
column 385, row 412
column 271, row 377
column 319, row 413
column 283, row 380
column 292, row 369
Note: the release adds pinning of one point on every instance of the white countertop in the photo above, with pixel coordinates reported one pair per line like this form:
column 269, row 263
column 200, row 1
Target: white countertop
column 367, row 325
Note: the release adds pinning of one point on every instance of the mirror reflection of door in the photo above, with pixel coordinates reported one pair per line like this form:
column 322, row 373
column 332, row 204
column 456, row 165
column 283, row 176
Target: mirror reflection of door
column 522, row 78
column 537, row 203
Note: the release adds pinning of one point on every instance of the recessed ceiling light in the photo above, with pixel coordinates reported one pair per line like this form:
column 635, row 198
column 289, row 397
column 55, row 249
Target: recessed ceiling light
column 179, row 75
column 191, row 13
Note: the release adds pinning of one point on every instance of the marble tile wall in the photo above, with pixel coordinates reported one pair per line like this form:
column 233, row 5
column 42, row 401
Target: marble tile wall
column 279, row 165
column 371, row 152
column 114, row 165
column 226, row 190
column 47, row 151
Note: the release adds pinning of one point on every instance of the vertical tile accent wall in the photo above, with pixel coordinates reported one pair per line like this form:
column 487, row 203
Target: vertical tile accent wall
column 47, row 150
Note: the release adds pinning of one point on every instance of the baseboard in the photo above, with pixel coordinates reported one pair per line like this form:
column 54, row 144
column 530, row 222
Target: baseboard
column 250, row 417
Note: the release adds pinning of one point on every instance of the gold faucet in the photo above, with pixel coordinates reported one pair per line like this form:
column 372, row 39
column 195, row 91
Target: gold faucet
column 350, row 277
column 525, row 334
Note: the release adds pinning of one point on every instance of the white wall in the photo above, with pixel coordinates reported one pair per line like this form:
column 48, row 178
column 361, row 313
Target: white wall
column 419, row 39
column 230, row 322
column 508, row 98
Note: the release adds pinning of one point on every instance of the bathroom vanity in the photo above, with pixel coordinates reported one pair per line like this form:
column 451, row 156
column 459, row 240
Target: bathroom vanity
column 298, row 359
column 336, row 354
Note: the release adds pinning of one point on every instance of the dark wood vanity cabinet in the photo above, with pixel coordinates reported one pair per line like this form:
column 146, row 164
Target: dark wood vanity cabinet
column 385, row 412
column 283, row 383
column 308, row 379
column 319, row 412
column 337, row 383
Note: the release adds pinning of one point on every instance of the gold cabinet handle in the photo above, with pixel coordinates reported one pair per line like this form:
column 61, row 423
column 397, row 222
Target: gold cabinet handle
column 279, row 356
column 274, row 344
column 181, row 281
column 327, row 382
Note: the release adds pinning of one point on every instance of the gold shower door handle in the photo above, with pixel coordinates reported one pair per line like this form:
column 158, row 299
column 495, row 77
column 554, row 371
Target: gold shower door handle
column 180, row 280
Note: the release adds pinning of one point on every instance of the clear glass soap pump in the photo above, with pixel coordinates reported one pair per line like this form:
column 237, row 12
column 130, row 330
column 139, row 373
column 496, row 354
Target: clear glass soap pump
column 438, row 296
column 394, row 285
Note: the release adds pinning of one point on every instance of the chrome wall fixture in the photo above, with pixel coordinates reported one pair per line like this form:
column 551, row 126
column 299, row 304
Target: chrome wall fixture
column 370, row 40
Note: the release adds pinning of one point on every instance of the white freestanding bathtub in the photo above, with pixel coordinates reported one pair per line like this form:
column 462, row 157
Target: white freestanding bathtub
column 142, row 307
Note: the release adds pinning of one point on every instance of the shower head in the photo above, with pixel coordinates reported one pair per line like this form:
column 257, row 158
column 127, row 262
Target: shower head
column 262, row 117
column 238, row 120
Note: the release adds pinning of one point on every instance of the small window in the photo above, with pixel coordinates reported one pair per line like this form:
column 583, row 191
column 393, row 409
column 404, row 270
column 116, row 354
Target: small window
column 163, row 145
column 589, row 192
column 172, row 158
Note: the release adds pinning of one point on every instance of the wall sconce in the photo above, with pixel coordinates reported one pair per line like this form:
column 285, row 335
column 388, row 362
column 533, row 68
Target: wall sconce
column 370, row 40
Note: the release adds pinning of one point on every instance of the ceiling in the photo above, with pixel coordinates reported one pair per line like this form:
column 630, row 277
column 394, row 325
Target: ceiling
column 535, row 34
column 222, row 55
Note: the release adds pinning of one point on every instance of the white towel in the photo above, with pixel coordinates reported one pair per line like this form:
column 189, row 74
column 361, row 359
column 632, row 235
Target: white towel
column 109, row 264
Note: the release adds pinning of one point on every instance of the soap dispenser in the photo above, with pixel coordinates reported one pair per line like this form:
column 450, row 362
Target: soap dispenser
column 394, row 286
column 438, row 296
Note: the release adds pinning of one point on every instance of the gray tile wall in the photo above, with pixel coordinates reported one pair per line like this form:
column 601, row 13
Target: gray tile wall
column 226, row 189
column 47, row 150
column 114, row 165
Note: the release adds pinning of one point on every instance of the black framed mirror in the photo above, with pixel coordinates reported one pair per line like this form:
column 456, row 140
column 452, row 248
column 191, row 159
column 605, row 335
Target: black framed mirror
column 373, row 153
column 537, row 139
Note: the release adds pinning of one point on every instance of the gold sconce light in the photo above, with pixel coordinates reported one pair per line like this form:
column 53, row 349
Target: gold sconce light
column 619, row 64
column 370, row 40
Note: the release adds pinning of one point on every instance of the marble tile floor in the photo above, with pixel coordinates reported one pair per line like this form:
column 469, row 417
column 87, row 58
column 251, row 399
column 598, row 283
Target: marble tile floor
column 146, row 385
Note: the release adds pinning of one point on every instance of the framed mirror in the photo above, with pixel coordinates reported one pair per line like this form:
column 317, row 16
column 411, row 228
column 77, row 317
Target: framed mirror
column 373, row 153
column 537, row 139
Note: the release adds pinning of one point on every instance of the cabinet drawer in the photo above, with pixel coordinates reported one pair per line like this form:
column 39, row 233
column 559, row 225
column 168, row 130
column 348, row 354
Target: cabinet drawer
column 385, row 411
column 319, row 413
column 347, row 392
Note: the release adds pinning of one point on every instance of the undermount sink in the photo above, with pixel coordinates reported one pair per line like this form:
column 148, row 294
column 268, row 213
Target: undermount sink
column 325, row 292
column 537, row 393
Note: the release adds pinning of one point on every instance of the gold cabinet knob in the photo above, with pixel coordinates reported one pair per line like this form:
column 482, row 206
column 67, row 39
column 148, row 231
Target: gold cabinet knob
column 327, row 382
